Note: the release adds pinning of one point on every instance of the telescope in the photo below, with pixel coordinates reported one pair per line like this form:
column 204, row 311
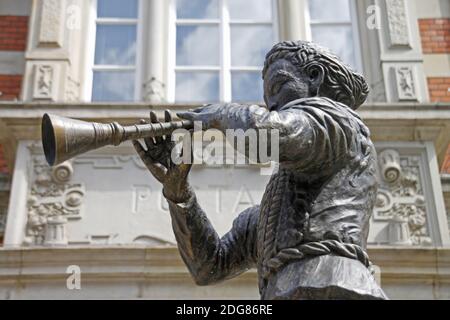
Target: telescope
column 64, row 138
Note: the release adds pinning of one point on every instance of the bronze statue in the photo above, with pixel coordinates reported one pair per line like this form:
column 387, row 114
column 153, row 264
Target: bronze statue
column 308, row 236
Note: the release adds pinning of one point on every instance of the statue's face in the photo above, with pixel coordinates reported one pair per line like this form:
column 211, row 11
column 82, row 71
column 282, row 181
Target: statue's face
column 283, row 83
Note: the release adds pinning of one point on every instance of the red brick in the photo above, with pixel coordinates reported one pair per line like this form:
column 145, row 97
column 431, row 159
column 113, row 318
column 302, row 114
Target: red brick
column 435, row 35
column 10, row 86
column 13, row 33
column 439, row 89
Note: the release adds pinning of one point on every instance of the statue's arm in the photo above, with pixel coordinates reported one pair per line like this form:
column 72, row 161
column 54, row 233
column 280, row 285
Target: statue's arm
column 296, row 132
column 209, row 258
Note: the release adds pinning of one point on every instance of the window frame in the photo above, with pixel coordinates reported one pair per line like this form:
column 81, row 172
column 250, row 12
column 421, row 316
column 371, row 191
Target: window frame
column 91, row 67
column 354, row 26
column 224, row 68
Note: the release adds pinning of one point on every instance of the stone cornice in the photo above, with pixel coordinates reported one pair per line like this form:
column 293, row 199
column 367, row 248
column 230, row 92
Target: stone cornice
column 387, row 121
column 405, row 264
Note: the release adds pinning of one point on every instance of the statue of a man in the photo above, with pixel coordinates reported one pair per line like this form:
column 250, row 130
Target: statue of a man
column 308, row 236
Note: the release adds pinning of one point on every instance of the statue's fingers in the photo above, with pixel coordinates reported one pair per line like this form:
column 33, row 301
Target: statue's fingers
column 185, row 168
column 157, row 169
column 187, row 157
column 149, row 142
column 154, row 119
column 139, row 149
column 187, row 115
column 167, row 116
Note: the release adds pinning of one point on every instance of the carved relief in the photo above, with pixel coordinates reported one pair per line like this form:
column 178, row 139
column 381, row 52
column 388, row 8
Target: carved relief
column 51, row 23
column 405, row 81
column 154, row 90
column 110, row 162
column 398, row 23
column 401, row 200
column 152, row 241
column 72, row 89
column 44, row 81
column 52, row 201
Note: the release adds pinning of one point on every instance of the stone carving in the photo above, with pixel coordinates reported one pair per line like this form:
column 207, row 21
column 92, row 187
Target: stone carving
column 401, row 200
column 406, row 87
column 53, row 200
column 55, row 231
column 310, row 230
column 152, row 241
column 390, row 165
column 110, row 161
column 43, row 83
column 154, row 90
column 51, row 30
column 398, row 23
column 72, row 89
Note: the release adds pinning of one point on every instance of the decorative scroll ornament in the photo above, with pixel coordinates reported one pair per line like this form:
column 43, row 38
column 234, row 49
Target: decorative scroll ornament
column 53, row 200
column 400, row 199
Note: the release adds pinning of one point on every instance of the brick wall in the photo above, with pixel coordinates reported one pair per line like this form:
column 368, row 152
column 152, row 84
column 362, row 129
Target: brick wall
column 10, row 85
column 435, row 35
column 13, row 37
column 439, row 89
column 13, row 33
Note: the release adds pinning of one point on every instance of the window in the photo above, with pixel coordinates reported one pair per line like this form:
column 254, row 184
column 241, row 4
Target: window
column 336, row 28
column 115, row 54
column 219, row 48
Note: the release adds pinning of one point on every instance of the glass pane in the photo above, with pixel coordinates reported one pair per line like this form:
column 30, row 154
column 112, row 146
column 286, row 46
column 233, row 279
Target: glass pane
column 250, row 9
column 249, row 44
column 198, row 45
column 113, row 86
column 338, row 39
column 117, row 8
column 197, row 87
column 329, row 10
column 115, row 44
column 246, row 86
column 197, row 9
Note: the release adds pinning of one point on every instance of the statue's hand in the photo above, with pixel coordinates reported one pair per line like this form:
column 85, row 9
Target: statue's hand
column 210, row 115
column 157, row 156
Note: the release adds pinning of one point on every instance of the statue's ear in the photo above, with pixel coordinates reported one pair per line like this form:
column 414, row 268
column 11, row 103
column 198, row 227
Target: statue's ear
column 316, row 74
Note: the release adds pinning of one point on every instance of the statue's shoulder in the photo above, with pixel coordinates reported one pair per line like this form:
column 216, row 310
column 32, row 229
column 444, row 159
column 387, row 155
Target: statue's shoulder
column 318, row 107
column 321, row 105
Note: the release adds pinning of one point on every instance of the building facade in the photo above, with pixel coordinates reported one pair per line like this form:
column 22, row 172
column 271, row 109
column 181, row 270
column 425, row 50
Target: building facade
column 102, row 217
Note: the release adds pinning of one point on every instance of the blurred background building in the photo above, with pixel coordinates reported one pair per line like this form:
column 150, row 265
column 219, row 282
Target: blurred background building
column 114, row 60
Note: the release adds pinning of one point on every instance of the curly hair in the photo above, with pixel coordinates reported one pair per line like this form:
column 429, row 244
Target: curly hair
column 340, row 84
